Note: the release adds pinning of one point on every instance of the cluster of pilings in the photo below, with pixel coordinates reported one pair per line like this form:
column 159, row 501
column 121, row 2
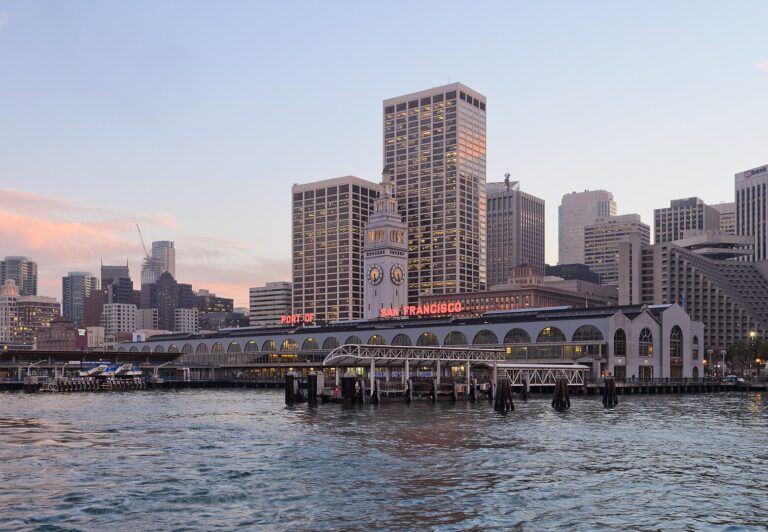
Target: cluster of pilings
column 560, row 400
column 503, row 401
column 610, row 395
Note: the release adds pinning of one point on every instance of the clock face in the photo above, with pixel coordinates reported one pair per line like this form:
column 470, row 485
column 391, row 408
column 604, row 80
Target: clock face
column 396, row 274
column 375, row 274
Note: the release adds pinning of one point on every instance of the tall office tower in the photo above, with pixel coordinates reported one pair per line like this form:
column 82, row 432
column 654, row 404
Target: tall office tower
column 23, row 270
column 35, row 314
column 185, row 296
column 434, row 146
column 683, row 215
column 76, row 287
column 386, row 256
column 515, row 231
column 9, row 318
column 269, row 302
column 328, row 220
column 167, row 301
column 727, row 217
column 577, row 210
column 751, row 205
column 116, row 280
column 161, row 259
column 601, row 244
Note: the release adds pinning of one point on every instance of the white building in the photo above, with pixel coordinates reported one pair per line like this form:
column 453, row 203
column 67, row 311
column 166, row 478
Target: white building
column 118, row 318
column 727, row 217
column 752, row 208
column 161, row 259
column 601, row 244
column 96, row 337
column 576, row 211
column 186, row 320
column 269, row 302
column 9, row 295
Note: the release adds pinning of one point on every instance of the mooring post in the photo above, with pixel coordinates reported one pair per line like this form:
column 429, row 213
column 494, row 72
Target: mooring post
column 406, row 372
column 312, row 389
column 290, row 396
column 437, row 373
column 469, row 376
column 373, row 374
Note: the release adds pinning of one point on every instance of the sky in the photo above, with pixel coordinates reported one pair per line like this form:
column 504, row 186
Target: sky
column 193, row 119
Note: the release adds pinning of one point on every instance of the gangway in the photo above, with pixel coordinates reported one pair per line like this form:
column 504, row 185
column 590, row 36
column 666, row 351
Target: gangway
column 101, row 368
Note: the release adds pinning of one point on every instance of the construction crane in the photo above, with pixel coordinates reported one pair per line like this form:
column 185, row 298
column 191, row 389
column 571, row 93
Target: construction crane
column 143, row 245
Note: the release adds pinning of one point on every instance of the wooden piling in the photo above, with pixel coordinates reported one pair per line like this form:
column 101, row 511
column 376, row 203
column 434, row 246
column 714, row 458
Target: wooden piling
column 561, row 401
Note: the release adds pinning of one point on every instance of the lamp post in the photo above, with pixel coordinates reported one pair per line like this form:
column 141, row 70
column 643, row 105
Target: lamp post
column 722, row 353
column 753, row 341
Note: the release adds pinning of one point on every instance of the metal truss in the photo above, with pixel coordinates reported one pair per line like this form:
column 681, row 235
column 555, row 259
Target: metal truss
column 543, row 375
column 352, row 354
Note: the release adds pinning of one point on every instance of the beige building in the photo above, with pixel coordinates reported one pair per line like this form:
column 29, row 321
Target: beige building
column 576, row 211
column 435, row 147
column 118, row 318
column 269, row 302
column 702, row 275
column 601, row 244
column 328, row 221
column 752, row 208
column 687, row 214
column 727, row 217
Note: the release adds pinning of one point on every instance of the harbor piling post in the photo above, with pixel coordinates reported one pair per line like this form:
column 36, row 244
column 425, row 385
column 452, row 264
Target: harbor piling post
column 312, row 389
column 290, row 394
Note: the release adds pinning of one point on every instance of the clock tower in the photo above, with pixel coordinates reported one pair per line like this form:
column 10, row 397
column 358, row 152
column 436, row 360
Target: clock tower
column 386, row 255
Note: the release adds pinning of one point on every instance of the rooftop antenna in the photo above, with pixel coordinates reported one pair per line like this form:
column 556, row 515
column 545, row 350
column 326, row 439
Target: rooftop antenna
column 506, row 181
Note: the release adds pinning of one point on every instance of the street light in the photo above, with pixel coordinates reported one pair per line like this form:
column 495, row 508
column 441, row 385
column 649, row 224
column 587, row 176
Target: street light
column 722, row 353
column 753, row 341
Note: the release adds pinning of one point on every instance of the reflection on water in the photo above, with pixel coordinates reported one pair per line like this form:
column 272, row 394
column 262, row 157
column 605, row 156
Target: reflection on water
column 224, row 458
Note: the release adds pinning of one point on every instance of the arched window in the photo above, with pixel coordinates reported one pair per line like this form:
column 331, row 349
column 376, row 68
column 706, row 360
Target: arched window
column 676, row 342
column 251, row 347
column 517, row 336
column 173, row 349
column 330, row 343
column 376, row 339
column 587, row 333
column 269, row 345
column 159, row 349
column 354, row 339
column 289, row 345
column 401, row 339
column 310, row 343
column 646, row 342
column 619, row 343
column 485, row 337
column 455, row 338
column 146, row 349
column 218, row 347
column 202, row 349
column 551, row 334
column 695, row 373
column 134, row 349
column 234, row 347
column 187, row 348
column 695, row 350
column 120, row 349
column 427, row 339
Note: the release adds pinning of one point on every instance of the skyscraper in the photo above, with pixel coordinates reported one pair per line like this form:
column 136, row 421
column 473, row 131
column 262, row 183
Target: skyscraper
column 167, row 301
column 752, row 208
column 577, row 210
column 601, row 244
column 727, row 217
column 515, row 231
column 683, row 215
column 328, row 220
column 23, row 270
column 161, row 259
column 269, row 302
column 76, row 287
column 434, row 145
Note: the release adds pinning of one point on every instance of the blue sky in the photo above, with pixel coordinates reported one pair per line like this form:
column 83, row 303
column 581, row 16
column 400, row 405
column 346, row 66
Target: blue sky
column 194, row 118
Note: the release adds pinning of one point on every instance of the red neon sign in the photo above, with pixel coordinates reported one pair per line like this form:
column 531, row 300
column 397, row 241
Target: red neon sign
column 293, row 319
column 427, row 309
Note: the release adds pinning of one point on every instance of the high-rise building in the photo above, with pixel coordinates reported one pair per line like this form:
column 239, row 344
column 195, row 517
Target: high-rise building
column 435, row 147
column 161, row 259
column 167, row 301
column 23, row 317
column 186, row 320
column 23, row 270
column 752, row 208
column 76, row 287
column 386, row 256
column 577, row 210
column 601, row 244
column 269, row 302
column 118, row 318
column 727, row 217
column 9, row 295
column 683, row 215
column 146, row 319
column 700, row 273
column 116, row 280
column 205, row 301
column 515, row 231
column 328, row 220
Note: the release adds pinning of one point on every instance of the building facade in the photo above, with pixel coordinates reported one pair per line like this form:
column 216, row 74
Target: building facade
column 386, row 256
column 515, row 231
column 727, row 217
column 702, row 275
column 638, row 341
column 146, row 318
column 76, row 287
column 23, row 270
column 687, row 214
column 752, row 208
column 435, row 146
column 327, row 257
column 118, row 318
column 601, row 244
column 269, row 302
column 23, row 317
column 186, row 320
column 167, row 301
column 576, row 211
column 161, row 259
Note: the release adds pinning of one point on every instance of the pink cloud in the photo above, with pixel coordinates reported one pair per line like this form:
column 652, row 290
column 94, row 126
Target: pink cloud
column 5, row 19
column 762, row 66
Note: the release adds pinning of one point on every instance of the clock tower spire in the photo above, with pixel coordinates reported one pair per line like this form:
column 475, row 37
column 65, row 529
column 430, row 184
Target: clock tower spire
column 385, row 255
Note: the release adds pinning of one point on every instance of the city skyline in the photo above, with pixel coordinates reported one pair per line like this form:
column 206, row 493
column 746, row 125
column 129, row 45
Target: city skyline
column 567, row 112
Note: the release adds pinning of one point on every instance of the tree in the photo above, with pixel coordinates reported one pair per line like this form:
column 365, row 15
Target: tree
column 739, row 356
